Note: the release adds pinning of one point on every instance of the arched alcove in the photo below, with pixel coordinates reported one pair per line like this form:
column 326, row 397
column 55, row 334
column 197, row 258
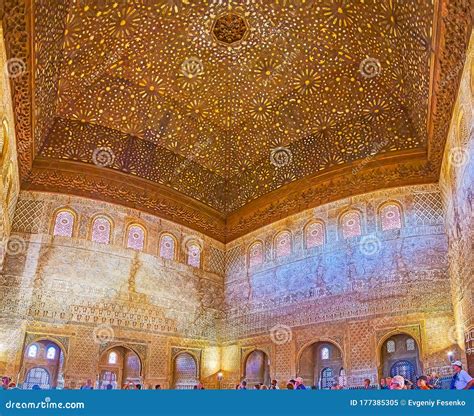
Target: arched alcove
column 119, row 366
column 400, row 355
column 257, row 368
column 320, row 364
column 43, row 364
column 185, row 371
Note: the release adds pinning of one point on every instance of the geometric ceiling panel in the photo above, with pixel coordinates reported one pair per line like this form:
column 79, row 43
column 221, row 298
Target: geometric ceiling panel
column 224, row 103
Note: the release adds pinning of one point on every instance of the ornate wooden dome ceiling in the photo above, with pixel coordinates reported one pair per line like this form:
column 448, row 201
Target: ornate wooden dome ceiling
column 225, row 115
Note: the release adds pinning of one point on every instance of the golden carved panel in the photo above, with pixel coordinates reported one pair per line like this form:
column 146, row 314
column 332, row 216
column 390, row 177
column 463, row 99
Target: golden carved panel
column 301, row 90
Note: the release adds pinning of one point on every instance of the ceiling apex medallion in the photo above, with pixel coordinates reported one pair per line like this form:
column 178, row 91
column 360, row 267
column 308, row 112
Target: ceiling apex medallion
column 230, row 28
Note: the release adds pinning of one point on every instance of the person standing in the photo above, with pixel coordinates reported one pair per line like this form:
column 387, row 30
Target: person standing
column 422, row 383
column 299, row 384
column 434, row 381
column 461, row 379
column 88, row 385
column 274, row 385
column 397, row 383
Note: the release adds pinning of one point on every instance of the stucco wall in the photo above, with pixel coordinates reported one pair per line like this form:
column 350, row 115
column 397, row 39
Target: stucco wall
column 457, row 185
column 93, row 295
column 9, row 179
column 353, row 292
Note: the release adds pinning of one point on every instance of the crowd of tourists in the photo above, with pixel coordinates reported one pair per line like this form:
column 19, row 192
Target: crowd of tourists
column 460, row 380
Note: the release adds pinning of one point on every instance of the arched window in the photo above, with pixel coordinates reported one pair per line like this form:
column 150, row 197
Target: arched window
column 390, row 217
column 32, row 351
column 256, row 254
column 342, row 377
column 185, row 371
column 167, row 247
column 327, row 378
column 113, row 358
column 101, row 228
column 403, row 368
column 410, row 344
column 391, row 346
column 351, row 224
column 283, row 244
column 136, row 237
column 314, row 234
column 193, row 255
column 51, row 353
column 64, row 223
column 325, row 353
column 37, row 376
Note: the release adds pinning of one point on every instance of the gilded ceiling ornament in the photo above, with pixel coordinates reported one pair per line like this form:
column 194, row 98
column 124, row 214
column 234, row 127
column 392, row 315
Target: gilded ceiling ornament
column 172, row 6
column 85, row 116
column 133, row 128
column 324, row 126
column 198, row 109
column 268, row 70
column 376, row 110
column 280, row 156
column 292, row 4
column 307, row 81
column 285, row 177
column 339, row 13
column 74, row 153
column 392, row 17
column 124, row 66
column 124, row 22
column 331, row 159
column 260, row 108
column 72, row 30
column 152, row 87
column 230, row 28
